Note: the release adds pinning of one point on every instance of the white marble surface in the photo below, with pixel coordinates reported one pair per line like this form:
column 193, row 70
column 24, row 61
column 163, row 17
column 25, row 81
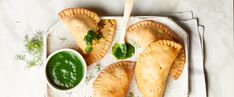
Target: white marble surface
column 20, row 17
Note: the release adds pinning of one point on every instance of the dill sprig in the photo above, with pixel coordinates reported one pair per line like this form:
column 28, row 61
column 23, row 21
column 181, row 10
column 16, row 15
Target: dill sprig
column 63, row 39
column 98, row 67
column 89, row 77
column 33, row 48
column 20, row 57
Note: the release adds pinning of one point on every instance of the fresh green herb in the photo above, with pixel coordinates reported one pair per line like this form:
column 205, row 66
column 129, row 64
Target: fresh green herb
column 130, row 50
column 89, row 77
column 123, row 51
column 90, row 37
column 98, row 67
column 32, row 62
column 119, row 51
column 20, row 57
column 62, row 39
column 88, row 48
column 33, row 47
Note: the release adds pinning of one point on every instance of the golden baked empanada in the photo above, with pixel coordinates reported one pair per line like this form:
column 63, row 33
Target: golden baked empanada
column 114, row 80
column 79, row 22
column 153, row 66
column 153, row 31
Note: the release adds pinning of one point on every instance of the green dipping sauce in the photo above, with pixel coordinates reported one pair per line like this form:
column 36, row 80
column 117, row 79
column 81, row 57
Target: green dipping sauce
column 64, row 70
column 123, row 51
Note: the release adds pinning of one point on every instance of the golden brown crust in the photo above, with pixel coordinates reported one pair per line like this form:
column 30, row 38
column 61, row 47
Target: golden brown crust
column 178, row 65
column 79, row 11
column 153, row 66
column 154, row 31
column 114, row 80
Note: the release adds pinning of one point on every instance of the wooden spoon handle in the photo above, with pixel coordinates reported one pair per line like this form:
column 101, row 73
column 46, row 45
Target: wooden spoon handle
column 127, row 13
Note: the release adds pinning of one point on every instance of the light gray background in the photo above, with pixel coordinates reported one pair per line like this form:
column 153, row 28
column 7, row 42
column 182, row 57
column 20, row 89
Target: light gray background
column 20, row 17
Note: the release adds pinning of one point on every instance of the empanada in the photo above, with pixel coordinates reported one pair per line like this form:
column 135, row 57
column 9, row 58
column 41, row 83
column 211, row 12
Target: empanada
column 153, row 31
column 153, row 66
column 79, row 22
column 114, row 80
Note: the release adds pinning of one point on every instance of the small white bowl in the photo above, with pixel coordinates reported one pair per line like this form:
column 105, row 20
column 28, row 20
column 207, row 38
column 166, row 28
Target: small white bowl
column 84, row 74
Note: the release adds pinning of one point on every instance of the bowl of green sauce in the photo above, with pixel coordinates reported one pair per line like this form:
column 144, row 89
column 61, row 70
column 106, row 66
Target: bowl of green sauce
column 65, row 70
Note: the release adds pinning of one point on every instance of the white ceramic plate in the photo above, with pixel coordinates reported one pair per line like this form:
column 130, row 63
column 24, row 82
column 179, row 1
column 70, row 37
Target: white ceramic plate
column 58, row 37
